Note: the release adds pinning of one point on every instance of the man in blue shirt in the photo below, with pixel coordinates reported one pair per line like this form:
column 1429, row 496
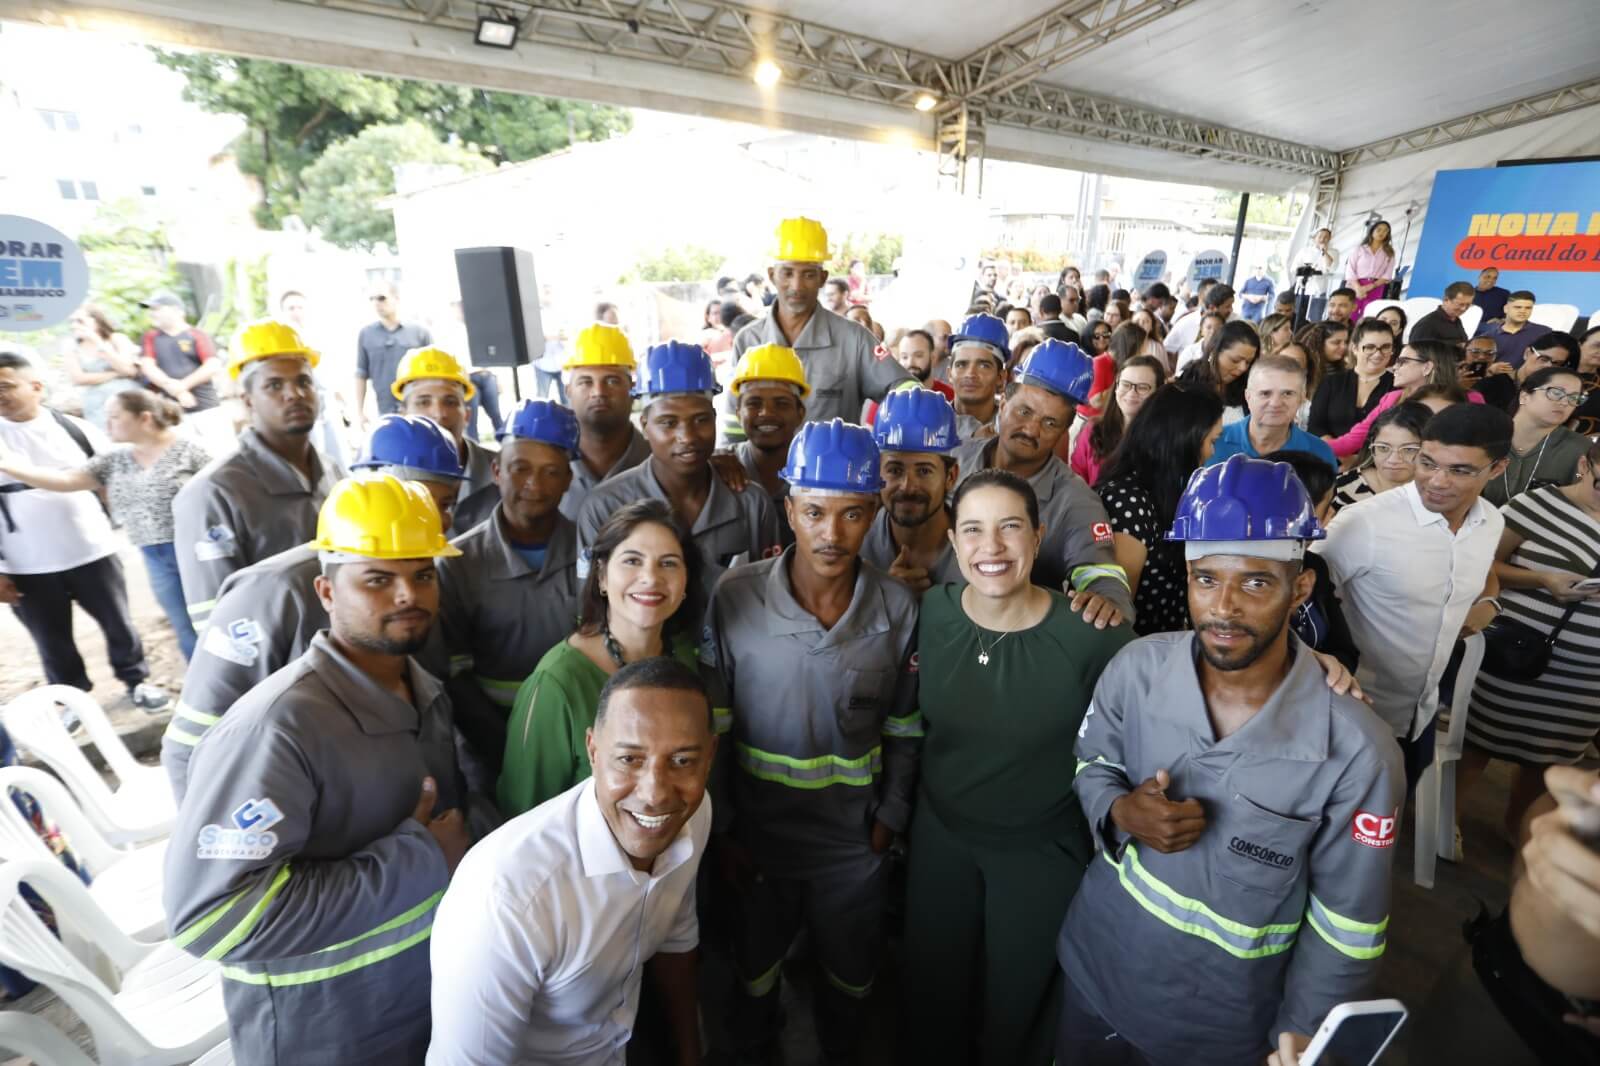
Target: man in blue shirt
column 1513, row 334
column 1276, row 390
column 1255, row 295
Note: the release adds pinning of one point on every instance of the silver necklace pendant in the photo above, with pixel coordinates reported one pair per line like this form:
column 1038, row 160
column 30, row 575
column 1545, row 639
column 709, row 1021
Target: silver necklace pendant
column 983, row 658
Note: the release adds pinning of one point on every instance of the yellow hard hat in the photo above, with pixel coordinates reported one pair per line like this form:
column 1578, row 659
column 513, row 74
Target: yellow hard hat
column 770, row 362
column 420, row 363
column 267, row 339
column 378, row 516
column 601, row 344
column 801, row 240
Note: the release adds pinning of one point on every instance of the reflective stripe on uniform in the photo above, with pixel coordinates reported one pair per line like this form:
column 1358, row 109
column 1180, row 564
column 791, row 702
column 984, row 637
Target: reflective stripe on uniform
column 1099, row 760
column 1083, row 576
column 502, row 692
column 1359, row 940
column 188, row 725
column 241, row 929
column 1195, row 918
column 460, row 664
column 398, row 934
column 853, row 991
column 183, row 710
column 909, row 726
column 820, row 772
column 765, row 983
column 201, row 609
column 721, row 720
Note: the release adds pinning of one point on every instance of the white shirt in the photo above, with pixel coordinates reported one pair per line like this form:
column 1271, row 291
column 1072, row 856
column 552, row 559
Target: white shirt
column 54, row 531
column 1407, row 584
column 1190, row 354
column 539, row 944
column 1326, row 260
column 1184, row 331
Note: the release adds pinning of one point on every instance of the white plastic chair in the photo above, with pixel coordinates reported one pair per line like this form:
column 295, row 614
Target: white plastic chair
column 1470, row 320
column 141, row 808
column 163, row 1008
column 1436, row 789
column 1556, row 316
column 1416, row 307
column 1375, row 306
column 38, row 1040
column 126, row 884
column 221, row 1055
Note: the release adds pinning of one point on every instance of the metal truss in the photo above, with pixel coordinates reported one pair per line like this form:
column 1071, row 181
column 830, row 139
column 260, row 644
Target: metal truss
column 1529, row 109
column 961, row 138
column 1324, row 200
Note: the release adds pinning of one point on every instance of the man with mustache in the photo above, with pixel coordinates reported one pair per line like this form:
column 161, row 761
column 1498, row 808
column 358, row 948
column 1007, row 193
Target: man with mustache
column 263, row 498
column 769, row 387
column 978, row 354
column 513, row 593
column 842, row 360
column 599, row 385
column 1077, row 550
column 431, row 383
column 910, row 538
column 268, row 613
column 1245, row 813
column 818, row 654
column 679, row 420
column 323, row 820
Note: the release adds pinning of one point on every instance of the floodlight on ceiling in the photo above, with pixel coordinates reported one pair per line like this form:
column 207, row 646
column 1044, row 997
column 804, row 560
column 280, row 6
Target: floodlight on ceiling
column 926, row 102
column 767, row 74
column 495, row 32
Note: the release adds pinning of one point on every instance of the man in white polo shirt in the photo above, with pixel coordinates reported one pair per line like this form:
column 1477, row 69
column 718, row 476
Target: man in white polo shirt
column 539, row 945
column 1411, row 566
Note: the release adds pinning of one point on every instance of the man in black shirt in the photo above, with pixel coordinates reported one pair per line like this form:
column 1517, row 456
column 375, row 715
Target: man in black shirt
column 380, row 347
column 178, row 359
column 1050, row 323
column 1444, row 322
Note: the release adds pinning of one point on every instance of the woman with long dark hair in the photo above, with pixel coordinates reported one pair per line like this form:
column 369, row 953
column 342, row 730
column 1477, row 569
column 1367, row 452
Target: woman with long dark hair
column 1370, row 267
column 1394, row 316
column 1349, row 394
column 1099, row 296
column 642, row 568
column 1419, row 364
column 1140, row 486
column 1138, row 379
column 1224, row 366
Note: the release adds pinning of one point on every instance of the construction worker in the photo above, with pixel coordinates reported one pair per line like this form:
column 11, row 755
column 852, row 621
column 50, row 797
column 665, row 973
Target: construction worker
column 514, row 592
column 600, row 389
column 679, row 419
column 818, row 655
column 1049, row 384
column 264, row 497
column 769, row 393
column 841, row 360
column 910, row 538
column 431, row 383
column 324, row 820
column 267, row 613
column 1245, row 814
column 979, row 352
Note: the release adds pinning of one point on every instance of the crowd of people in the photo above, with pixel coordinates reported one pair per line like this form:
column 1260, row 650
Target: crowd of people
column 1122, row 619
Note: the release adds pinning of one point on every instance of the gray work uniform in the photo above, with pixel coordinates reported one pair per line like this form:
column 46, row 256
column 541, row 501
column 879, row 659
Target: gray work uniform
column 584, row 481
column 239, row 510
column 480, row 495
column 499, row 616
column 1277, row 913
column 295, row 862
column 732, row 527
column 880, row 550
column 1077, row 549
column 841, row 360
column 746, row 454
column 825, row 737
column 968, row 426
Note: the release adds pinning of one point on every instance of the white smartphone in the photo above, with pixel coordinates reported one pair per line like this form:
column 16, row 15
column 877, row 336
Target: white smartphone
column 1588, row 584
column 1355, row 1034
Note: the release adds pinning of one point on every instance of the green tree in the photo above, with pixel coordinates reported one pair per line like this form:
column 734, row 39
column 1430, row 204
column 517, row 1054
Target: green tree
column 129, row 258
column 688, row 263
column 877, row 250
column 294, row 113
column 1268, row 208
column 343, row 187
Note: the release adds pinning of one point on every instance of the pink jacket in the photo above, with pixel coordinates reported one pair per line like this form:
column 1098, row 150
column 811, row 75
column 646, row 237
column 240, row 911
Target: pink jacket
column 1352, row 441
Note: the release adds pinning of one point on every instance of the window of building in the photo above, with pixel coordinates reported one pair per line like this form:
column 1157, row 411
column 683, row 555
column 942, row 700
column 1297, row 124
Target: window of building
column 148, row 190
column 90, row 190
column 69, row 189
column 59, row 121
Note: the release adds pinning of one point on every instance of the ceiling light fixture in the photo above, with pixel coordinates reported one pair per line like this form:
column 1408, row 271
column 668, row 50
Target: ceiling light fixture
column 927, row 102
column 496, row 32
column 767, row 74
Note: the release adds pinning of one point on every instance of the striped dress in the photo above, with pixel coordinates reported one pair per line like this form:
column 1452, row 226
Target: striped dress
column 1552, row 719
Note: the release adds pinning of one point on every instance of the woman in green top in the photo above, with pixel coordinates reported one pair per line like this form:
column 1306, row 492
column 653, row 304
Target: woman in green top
column 998, row 841
column 641, row 568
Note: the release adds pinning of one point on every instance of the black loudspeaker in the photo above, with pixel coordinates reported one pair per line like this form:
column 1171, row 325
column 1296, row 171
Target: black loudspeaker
column 500, row 303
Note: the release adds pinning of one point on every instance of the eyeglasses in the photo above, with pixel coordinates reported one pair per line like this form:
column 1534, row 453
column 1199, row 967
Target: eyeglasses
column 1369, row 349
column 1407, row 452
column 1404, row 359
column 1547, row 359
column 378, row 298
column 1556, row 394
column 1476, row 354
column 1455, row 473
column 1137, row 388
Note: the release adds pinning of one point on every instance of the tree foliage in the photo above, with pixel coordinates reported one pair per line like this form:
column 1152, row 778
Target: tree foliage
column 293, row 114
column 688, row 263
column 129, row 259
column 342, row 188
column 877, row 250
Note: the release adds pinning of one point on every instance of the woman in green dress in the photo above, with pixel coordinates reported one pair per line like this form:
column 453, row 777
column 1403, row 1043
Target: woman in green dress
column 998, row 842
column 640, row 570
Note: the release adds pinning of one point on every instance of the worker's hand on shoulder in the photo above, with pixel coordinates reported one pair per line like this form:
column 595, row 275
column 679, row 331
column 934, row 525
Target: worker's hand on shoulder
column 903, row 569
column 1147, row 815
column 729, row 470
column 449, row 829
column 1340, row 679
column 1561, row 864
column 1096, row 609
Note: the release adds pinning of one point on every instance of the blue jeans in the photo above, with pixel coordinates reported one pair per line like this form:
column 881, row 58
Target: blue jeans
column 161, row 563
column 488, row 387
column 543, row 380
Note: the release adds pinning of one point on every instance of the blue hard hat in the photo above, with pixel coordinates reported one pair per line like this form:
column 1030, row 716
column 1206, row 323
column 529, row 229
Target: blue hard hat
column 916, row 420
column 984, row 329
column 414, row 442
column 1059, row 366
column 1245, row 499
column 546, row 422
column 676, row 367
column 836, row 455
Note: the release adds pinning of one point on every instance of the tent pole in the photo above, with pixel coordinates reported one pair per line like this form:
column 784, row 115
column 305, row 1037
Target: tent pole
column 1238, row 236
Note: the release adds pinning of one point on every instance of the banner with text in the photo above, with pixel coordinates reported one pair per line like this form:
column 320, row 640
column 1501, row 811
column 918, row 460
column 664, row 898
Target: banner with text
column 1538, row 224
